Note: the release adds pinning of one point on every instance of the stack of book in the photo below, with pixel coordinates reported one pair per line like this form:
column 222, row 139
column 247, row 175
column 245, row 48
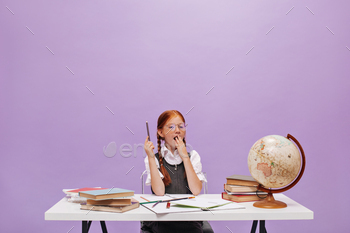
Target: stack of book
column 110, row 200
column 240, row 188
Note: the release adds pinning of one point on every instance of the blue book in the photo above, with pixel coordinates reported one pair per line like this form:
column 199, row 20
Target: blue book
column 106, row 193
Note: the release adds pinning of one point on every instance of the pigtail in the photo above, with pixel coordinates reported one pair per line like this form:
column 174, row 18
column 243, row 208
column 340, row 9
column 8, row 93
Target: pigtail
column 185, row 176
column 166, row 179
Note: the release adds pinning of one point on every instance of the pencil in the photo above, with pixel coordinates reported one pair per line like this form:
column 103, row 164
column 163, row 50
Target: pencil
column 182, row 198
column 175, row 199
column 149, row 202
column 144, row 199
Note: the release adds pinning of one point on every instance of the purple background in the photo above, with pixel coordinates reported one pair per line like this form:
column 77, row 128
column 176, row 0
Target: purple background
column 140, row 58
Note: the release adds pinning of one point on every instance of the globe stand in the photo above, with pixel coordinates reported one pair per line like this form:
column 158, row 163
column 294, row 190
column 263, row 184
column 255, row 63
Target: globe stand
column 269, row 202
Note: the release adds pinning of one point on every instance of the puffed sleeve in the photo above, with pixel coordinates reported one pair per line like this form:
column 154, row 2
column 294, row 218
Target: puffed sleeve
column 197, row 165
column 148, row 180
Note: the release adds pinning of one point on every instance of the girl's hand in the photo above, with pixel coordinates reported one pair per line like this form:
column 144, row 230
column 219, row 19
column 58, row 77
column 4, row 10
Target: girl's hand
column 149, row 147
column 181, row 148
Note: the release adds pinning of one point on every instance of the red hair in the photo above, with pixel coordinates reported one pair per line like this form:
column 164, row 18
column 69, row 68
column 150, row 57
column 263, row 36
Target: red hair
column 162, row 119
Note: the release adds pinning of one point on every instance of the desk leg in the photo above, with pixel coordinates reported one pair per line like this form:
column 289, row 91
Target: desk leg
column 86, row 226
column 103, row 226
column 255, row 223
column 262, row 227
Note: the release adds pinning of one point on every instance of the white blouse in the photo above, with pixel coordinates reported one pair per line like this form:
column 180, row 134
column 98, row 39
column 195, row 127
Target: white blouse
column 175, row 159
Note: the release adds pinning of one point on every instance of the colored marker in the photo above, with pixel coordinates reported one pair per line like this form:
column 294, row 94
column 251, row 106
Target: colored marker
column 156, row 204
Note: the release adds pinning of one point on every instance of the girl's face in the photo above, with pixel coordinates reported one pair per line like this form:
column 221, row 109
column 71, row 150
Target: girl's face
column 172, row 128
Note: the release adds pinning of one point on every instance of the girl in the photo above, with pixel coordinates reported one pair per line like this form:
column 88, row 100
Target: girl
column 172, row 170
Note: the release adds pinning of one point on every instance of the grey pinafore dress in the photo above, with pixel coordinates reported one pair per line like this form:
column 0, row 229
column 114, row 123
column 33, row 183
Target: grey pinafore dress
column 178, row 185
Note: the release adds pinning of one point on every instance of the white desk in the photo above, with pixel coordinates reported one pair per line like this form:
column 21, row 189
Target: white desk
column 66, row 211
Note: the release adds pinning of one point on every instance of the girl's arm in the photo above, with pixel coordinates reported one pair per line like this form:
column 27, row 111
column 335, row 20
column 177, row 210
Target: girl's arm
column 192, row 178
column 156, row 181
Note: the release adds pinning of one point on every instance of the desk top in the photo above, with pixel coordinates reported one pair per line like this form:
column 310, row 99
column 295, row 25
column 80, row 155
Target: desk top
column 67, row 211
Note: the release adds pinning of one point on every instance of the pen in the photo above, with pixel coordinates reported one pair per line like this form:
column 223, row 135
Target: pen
column 156, row 203
column 149, row 138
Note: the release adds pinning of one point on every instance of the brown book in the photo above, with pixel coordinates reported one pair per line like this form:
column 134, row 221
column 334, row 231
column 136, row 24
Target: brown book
column 241, row 197
column 241, row 180
column 116, row 209
column 110, row 202
column 240, row 188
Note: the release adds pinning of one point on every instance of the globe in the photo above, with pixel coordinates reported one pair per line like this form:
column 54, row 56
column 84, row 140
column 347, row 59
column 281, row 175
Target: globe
column 275, row 162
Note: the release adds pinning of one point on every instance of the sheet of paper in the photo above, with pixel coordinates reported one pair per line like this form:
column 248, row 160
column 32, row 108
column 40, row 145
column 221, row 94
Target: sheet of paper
column 204, row 203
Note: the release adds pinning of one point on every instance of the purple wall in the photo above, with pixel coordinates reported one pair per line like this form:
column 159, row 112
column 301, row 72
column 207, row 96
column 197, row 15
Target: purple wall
column 139, row 58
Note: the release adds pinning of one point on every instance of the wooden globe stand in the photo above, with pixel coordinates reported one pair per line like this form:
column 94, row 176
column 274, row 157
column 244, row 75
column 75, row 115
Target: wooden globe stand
column 269, row 202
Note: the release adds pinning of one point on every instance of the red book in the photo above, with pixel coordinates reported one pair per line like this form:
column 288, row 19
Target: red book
column 84, row 189
column 241, row 197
